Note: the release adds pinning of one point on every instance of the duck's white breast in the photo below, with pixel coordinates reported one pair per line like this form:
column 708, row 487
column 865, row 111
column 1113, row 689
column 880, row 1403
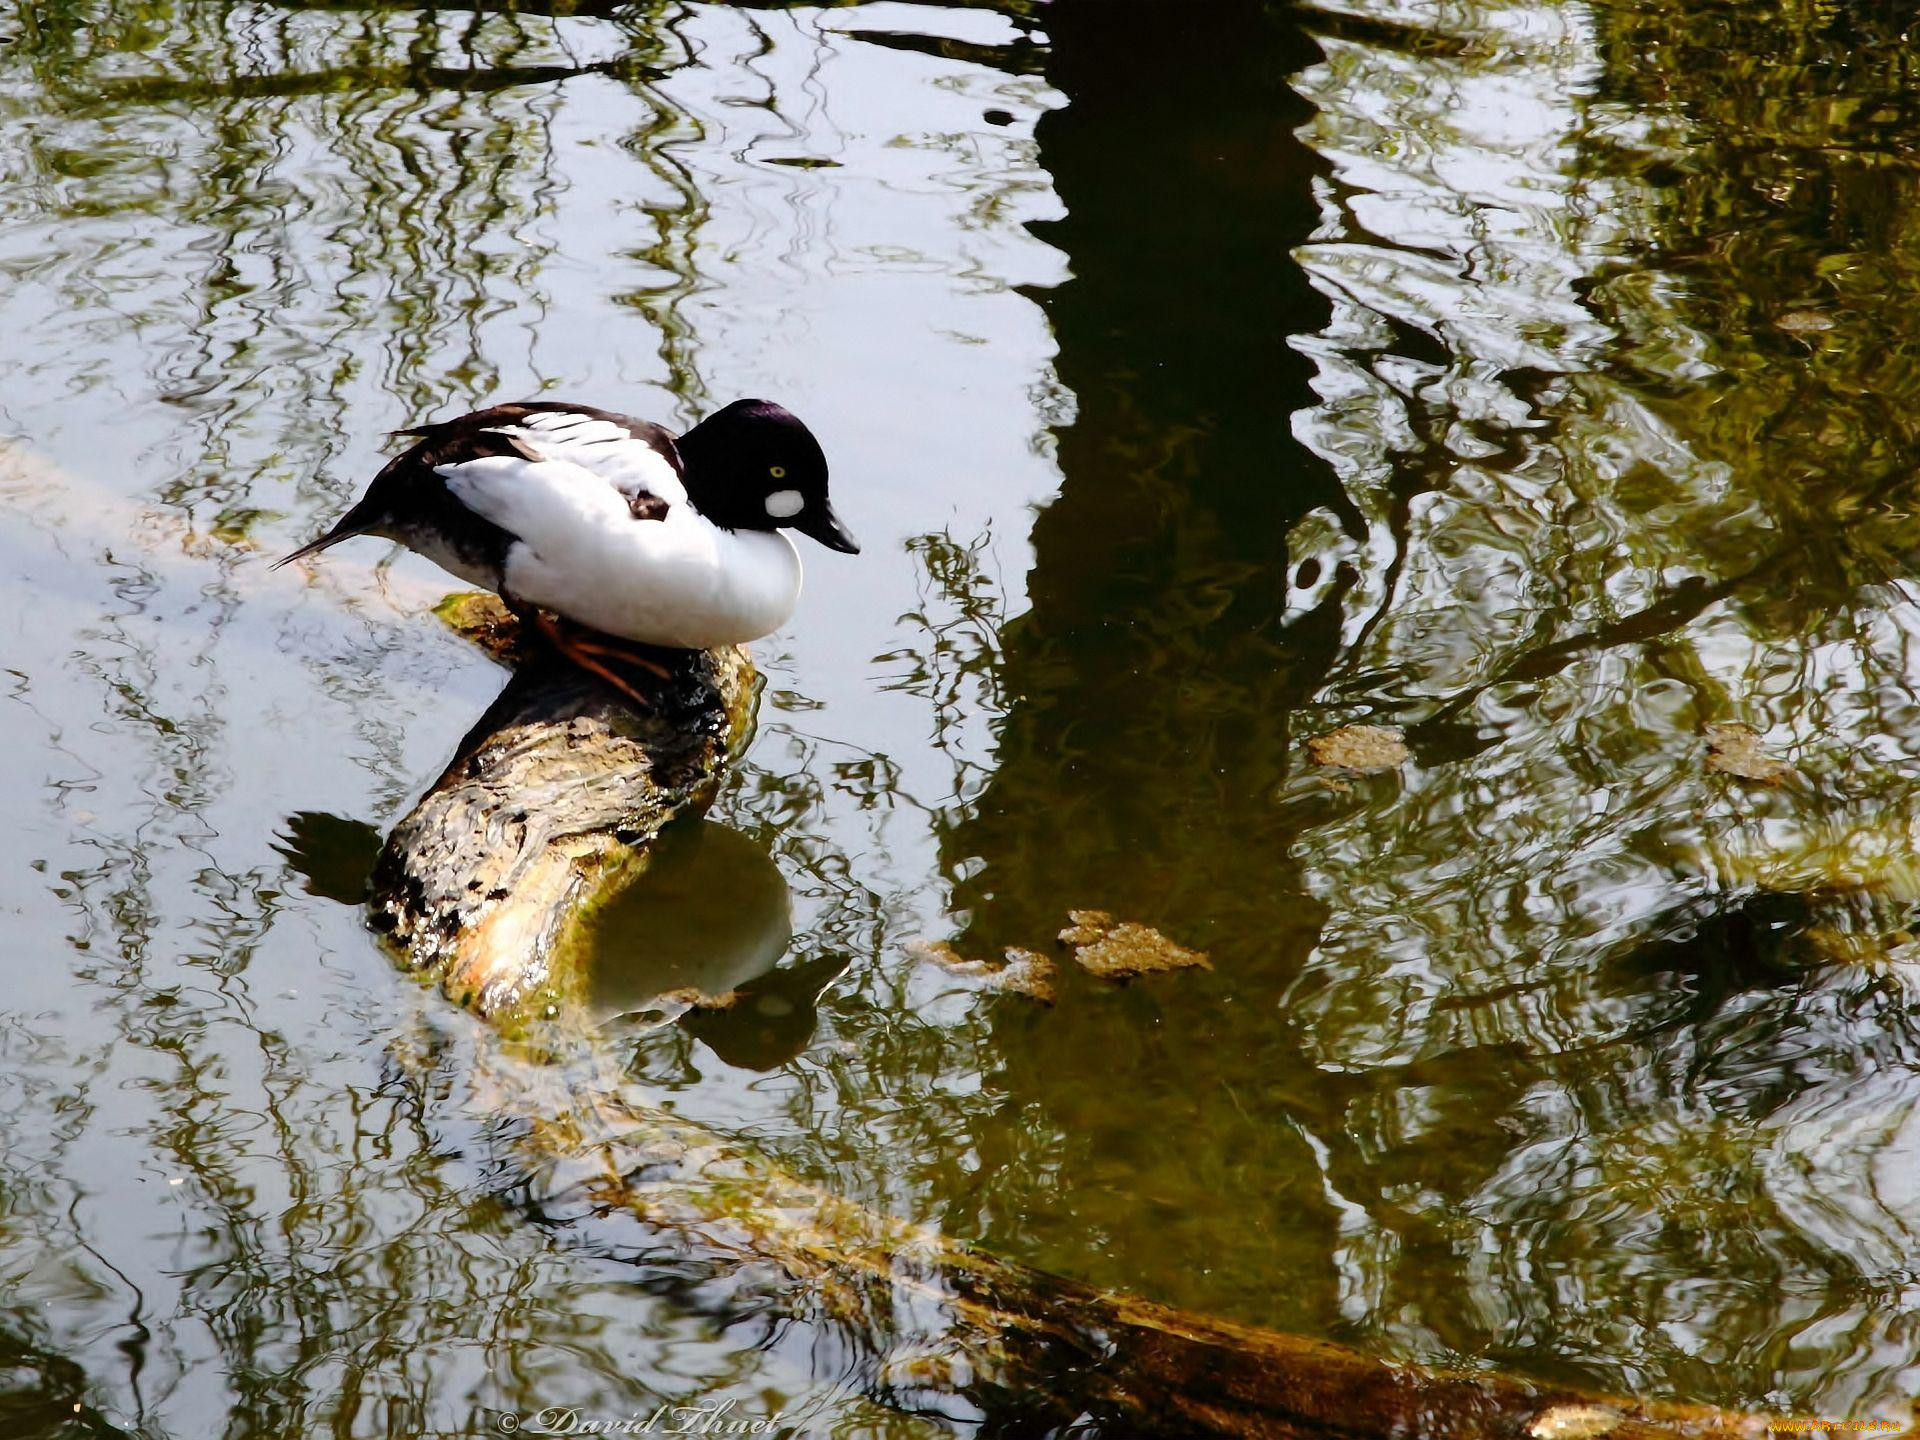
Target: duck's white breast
column 677, row 581
column 580, row 552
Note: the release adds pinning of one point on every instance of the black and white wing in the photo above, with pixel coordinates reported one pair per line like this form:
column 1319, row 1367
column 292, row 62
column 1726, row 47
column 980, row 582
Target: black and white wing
column 635, row 457
column 593, row 450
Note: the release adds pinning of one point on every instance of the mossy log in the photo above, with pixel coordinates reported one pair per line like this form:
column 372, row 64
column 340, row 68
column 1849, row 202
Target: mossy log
column 550, row 799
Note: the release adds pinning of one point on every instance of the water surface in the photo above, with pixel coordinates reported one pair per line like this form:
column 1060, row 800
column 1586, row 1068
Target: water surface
column 1535, row 377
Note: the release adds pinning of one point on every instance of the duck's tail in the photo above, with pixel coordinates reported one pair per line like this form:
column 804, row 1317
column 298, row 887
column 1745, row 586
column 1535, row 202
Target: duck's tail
column 354, row 522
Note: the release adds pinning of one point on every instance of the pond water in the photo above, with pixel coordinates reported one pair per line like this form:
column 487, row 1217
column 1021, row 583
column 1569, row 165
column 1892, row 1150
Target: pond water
column 1541, row 377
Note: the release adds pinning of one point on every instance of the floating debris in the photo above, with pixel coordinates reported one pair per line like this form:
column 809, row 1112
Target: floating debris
column 1734, row 749
column 1028, row 973
column 1360, row 747
column 1086, row 926
column 942, row 953
column 1575, row 1422
column 1023, row 972
column 1120, row 950
column 1803, row 322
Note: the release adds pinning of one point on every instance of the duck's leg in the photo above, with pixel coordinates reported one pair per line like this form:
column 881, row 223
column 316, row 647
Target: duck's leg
column 584, row 653
column 629, row 652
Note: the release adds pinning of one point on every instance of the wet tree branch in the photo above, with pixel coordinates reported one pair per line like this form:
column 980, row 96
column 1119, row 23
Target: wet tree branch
column 551, row 798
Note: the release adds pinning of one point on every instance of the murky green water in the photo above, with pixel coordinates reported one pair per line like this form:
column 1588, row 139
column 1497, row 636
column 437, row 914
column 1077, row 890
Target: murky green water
column 1539, row 377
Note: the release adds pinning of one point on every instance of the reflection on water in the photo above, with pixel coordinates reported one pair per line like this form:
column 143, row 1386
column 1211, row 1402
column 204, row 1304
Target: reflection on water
column 333, row 856
column 710, row 913
column 1591, row 531
column 773, row 1017
column 1535, row 377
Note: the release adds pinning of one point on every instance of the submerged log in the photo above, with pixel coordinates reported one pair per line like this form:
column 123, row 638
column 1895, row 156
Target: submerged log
column 551, row 801
column 935, row 1327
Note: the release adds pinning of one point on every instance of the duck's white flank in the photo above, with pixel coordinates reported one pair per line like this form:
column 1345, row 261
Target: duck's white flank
column 679, row 580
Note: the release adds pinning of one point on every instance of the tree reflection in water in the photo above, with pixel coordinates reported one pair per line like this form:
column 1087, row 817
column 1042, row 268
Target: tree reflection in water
column 1507, row 1056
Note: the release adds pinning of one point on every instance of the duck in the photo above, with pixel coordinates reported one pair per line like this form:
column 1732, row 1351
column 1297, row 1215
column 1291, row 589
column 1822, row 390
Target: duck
column 571, row 513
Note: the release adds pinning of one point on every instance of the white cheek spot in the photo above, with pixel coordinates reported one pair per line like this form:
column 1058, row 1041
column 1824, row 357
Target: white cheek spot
column 785, row 504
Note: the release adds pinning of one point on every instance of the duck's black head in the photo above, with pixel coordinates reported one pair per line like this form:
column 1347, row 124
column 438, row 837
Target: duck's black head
column 754, row 466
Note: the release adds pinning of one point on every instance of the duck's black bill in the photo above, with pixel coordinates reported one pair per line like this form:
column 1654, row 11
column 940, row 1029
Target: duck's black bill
column 820, row 523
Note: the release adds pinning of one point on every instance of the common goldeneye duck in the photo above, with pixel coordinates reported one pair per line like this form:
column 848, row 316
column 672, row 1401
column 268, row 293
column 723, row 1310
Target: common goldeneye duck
column 610, row 521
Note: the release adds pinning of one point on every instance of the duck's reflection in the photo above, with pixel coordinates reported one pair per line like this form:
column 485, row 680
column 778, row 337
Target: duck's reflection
column 332, row 854
column 710, row 915
column 710, row 912
column 772, row 1018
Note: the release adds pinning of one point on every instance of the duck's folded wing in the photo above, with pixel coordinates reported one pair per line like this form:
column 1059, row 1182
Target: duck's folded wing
column 555, row 505
column 563, row 453
column 633, row 456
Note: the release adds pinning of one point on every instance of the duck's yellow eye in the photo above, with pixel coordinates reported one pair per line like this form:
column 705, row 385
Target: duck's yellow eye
column 779, row 472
